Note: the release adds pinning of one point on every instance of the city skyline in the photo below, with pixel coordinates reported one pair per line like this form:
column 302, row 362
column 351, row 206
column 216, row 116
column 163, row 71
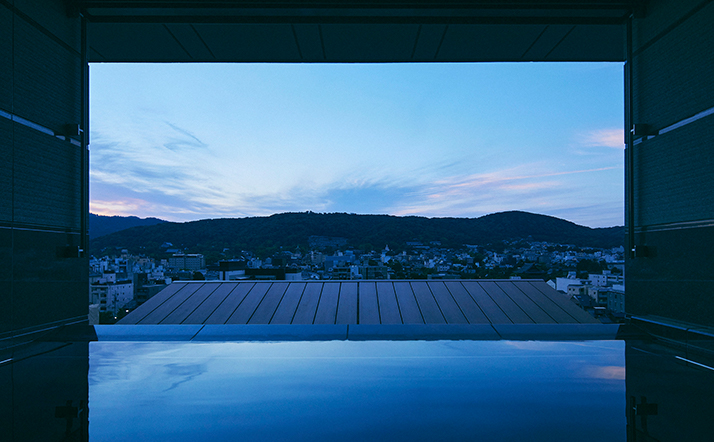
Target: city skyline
column 185, row 141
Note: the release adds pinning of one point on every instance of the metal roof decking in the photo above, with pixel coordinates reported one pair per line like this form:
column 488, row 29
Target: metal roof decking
column 383, row 302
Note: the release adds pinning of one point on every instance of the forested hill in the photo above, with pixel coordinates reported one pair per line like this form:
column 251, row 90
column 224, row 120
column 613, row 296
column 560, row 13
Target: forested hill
column 100, row 225
column 289, row 230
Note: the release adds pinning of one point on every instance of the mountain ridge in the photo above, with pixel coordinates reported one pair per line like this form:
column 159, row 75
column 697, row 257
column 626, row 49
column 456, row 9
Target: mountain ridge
column 100, row 225
column 292, row 229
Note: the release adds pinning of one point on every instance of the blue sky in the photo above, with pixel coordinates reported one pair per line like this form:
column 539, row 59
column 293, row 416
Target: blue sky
column 193, row 141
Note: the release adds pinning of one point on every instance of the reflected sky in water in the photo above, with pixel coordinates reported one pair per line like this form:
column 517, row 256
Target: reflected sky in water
column 348, row 390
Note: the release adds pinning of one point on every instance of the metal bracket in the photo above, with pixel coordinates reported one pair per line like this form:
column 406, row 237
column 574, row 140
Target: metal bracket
column 642, row 251
column 640, row 130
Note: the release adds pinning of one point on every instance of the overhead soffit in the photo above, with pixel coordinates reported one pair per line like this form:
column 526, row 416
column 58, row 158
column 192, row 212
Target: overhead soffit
column 356, row 31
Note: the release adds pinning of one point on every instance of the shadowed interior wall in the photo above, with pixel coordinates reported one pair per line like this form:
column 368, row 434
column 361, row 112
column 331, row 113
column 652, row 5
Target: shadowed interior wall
column 43, row 280
column 673, row 61
column 43, row 176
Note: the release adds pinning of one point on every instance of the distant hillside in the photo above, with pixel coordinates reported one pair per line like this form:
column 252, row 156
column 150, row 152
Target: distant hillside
column 100, row 225
column 290, row 230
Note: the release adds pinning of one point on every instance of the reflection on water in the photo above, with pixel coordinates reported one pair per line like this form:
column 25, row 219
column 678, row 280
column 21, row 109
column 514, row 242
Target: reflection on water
column 445, row 390
column 670, row 393
column 43, row 392
column 377, row 390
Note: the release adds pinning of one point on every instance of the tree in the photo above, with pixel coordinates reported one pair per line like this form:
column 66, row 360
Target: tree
column 588, row 266
column 107, row 318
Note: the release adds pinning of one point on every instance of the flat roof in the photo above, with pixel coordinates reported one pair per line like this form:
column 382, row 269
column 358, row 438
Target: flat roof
column 380, row 302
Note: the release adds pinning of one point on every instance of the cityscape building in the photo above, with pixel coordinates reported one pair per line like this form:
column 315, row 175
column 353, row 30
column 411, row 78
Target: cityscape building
column 184, row 261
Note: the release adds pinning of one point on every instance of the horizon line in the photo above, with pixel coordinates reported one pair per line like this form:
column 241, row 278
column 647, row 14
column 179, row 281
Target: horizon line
column 353, row 213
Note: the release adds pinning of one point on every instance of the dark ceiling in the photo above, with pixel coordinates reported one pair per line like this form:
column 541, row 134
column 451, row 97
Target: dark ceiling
column 355, row 31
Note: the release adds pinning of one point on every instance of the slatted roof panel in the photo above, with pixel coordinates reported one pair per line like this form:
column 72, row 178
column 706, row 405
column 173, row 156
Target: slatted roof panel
column 355, row 31
column 359, row 302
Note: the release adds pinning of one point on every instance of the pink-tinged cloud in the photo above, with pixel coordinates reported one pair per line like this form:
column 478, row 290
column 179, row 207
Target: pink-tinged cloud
column 530, row 187
column 608, row 372
column 502, row 180
column 614, row 138
column 132, row 207
column 504, row 176
column 124, row 207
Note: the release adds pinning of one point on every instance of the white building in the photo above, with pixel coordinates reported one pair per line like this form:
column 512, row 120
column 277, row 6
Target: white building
column 598, row 280
column 583, row 289
column 111, row 296
column 562, row 284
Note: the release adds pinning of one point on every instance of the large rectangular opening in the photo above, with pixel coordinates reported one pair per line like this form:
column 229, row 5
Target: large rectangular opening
column 188, row 142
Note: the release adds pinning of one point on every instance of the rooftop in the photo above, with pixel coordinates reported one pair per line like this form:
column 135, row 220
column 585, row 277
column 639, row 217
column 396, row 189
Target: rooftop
column 359, row 302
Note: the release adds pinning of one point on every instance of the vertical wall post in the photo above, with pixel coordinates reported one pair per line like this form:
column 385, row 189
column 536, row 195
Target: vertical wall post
column 84, row 220
column 629, row 150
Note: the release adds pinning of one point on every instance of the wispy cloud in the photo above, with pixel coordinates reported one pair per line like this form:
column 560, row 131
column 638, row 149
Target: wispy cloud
column 167, row 171
column 185, row 139
column 121, row 207
column 529, row 187
column 253, row 139
column 150, row 207
column 502, row 178
column 190, row 184
column 171, row 172
column 614, row 138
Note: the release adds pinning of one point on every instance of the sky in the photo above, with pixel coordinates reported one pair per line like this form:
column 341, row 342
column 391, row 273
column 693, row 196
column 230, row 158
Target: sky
column 185, row 142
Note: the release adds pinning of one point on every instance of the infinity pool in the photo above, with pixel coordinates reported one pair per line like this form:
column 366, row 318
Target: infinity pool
column 361, row 391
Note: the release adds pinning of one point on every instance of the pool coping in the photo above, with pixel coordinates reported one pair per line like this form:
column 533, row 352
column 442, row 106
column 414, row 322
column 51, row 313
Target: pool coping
column 332, row 332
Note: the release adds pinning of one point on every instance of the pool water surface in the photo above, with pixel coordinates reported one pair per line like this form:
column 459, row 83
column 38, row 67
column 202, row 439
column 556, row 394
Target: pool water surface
column 357, row 390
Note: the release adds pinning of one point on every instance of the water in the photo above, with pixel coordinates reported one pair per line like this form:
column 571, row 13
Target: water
column 351, row 390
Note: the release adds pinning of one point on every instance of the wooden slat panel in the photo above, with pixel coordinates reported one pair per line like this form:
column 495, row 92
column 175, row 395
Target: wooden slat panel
column 526, row 304
column 152, row 303
column 452, row 312
column 214, row 300
column 288, row 306
column 506, row 304
column 388, row 308
column 468, row 306
column 308, row 304
column 368, row 307
column 429, row 309
column 327, row 308
column 407, row 303
column 347, row 307
column 573, row 310
column 251, row 301
column 171, row 304
column 187, row 307
column 555, row 312
column 231, row 303
column 487, row 305
column 265, row 311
